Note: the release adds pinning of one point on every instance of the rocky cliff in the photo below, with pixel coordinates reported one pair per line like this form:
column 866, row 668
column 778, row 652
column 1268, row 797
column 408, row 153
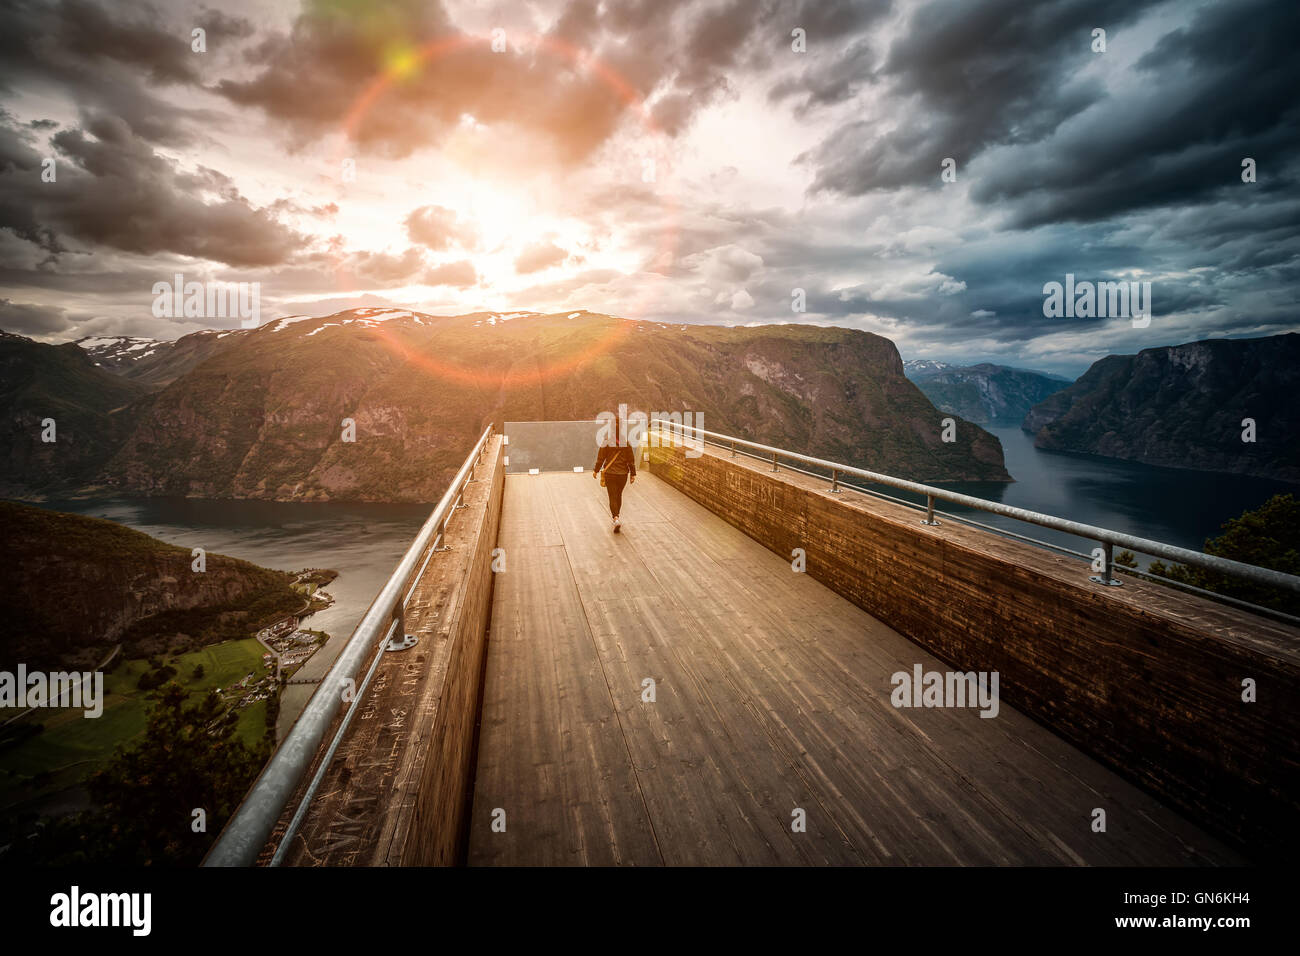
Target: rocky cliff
column 74, row 586
column 1184, row 406
column 56, row 392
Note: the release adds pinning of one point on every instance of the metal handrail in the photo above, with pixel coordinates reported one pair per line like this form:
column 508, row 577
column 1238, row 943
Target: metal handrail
column 1039, row 542
column 1104, row 536
column 250, row 828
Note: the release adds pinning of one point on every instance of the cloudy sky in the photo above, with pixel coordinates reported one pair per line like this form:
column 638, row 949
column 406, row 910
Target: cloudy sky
column 683, row 161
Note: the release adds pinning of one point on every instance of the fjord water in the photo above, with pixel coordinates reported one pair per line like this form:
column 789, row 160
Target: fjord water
column 1171, row 505
column 363, row 542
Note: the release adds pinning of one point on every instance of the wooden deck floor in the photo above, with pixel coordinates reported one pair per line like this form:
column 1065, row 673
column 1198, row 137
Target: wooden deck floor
column 771, row 694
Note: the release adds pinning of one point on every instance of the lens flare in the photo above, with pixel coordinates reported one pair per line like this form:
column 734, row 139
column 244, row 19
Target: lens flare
column 402, row 63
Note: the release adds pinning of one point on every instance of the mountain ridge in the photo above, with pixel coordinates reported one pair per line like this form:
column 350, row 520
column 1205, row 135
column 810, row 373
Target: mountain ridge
column 984, row 393
column 261, row 414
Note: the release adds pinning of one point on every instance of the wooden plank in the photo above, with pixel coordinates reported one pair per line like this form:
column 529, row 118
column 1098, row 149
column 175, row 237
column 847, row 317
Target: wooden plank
column 551, row 754
column 772, row 693
column 883, row 791
column 1145, row 679
column 1042, row 790
column 719, row 789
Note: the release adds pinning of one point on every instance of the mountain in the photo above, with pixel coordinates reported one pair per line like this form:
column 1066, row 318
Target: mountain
column 1183, row 406
column 919, row 368
column 88, row 406
column 74, row 586
column 984, row 394
column 262, row 415
column 150, row 361
column 118, row 353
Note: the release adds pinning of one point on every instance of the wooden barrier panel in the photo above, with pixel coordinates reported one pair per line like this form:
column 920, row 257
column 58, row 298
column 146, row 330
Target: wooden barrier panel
column 439, row 827
column 1145, row 678
column 397, row 792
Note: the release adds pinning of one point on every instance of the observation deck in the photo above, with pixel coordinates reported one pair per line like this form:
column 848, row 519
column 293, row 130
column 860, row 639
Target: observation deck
column 720, row 684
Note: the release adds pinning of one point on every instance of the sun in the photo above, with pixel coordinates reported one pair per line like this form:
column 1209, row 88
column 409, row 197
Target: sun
column 522, row 232
column 500, row 217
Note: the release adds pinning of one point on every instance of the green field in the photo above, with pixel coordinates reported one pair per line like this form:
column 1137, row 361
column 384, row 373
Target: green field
column 71, row 746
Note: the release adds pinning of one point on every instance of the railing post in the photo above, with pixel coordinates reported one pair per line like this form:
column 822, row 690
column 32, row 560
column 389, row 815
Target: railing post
column 400, row 640
column 929, row 511
column 835, row 481
column 1107, row 563
column 733, row 449
column 775, row 466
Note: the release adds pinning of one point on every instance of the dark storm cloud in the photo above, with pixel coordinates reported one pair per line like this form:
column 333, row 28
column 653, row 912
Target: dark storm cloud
column 542, row 92
column 1131, row 174
column 20, row 163
column 681, row 54
column 830, row 82
column 16, row 152
column 968, row 77
column 113, row 190
column 746, row 37
column 840, row 59
column 119, row 282
column 107, row 58
column 157, row 44
column 24, row 319
column 1232, row 236
column 80, row 31
column 222, row 27
column 1213, row 92
column 965, row 75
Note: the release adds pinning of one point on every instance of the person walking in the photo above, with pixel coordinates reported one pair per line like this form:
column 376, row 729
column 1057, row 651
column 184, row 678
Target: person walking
column 615, row 467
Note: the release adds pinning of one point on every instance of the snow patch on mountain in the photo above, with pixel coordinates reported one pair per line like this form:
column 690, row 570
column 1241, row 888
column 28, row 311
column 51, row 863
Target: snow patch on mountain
column 288, row 320
column 118, row 351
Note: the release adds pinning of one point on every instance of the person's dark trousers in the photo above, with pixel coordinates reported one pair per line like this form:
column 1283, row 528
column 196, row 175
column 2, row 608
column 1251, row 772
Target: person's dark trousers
column 614, row 485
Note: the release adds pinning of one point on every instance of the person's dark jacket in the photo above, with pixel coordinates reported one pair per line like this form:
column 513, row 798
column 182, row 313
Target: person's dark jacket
column 621, row 460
